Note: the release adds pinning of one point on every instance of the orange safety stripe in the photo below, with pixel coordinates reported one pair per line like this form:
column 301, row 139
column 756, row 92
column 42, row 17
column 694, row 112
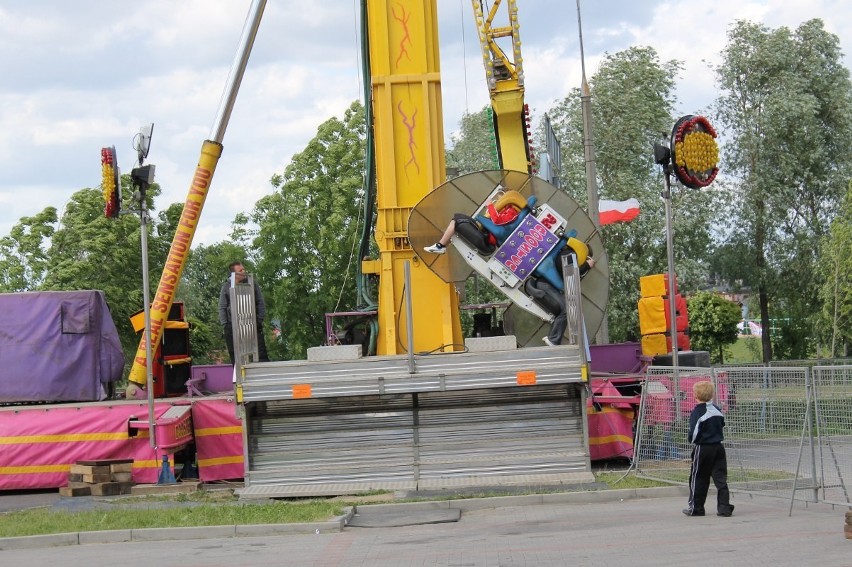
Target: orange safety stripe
column 610, row 439
column 39, row 469
column 210, row 431
column 230, row 460
column 67, row 437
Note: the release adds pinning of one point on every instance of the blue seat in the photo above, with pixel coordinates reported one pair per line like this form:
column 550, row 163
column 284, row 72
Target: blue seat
column 547, row 271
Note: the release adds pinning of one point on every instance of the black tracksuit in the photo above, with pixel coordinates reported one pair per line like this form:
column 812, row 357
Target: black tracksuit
column 708, row 459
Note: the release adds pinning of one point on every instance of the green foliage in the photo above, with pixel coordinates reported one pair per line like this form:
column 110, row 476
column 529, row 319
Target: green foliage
column 632, row 102
column 126, row 516
column 624, row 481
column 85, row 250
column 23, row 262
column 744, row 351
column 90, row 251
column 836, row 270
column 474, row 147
column 712, row 323
column 786, row 110
column 308, row 233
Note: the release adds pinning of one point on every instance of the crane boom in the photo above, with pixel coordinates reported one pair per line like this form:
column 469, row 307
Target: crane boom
column 211, row 150
column 504, row 73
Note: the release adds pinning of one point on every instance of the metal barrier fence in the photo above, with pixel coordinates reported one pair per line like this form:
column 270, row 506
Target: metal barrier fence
column 788, row 430
column 244, row 320
column 833, row 412
column 811, row 362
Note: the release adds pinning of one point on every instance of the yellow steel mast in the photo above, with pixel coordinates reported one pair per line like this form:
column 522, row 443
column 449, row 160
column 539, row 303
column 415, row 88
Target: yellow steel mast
column 505, row 75
column 409, row 144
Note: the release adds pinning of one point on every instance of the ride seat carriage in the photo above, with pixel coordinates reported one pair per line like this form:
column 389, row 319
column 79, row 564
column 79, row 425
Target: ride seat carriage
column 550, row 297
column 488, row 230
column 550, row 268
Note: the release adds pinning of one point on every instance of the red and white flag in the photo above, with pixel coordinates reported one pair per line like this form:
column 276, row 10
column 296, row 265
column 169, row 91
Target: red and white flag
column 617, row 211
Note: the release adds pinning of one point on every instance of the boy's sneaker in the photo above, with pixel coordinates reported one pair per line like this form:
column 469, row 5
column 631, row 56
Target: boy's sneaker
column 726, row 513
column 548, row 342
column 691, row 512
column 436, row 248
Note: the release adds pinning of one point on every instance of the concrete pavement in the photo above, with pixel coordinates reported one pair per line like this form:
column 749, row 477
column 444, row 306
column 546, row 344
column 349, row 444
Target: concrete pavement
column 633, row 527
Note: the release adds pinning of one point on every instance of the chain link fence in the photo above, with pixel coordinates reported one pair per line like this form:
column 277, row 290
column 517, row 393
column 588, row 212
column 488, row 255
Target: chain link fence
column 788, row 430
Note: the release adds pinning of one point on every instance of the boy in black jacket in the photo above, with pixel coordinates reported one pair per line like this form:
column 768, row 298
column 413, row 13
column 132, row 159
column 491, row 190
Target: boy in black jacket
column 708, row 455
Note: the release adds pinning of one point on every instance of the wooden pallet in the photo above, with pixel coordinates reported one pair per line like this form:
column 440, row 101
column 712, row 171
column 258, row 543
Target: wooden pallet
column 106, row 477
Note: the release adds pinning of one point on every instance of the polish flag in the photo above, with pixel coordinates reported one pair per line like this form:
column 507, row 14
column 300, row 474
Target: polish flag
column 617, row 211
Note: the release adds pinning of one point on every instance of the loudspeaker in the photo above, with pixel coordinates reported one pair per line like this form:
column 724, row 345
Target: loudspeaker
column 176, row 377
column 177, row 312
column 175, row 342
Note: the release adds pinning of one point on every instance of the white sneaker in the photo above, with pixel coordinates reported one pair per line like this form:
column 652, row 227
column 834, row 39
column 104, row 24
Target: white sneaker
column 547, row 341
column 436, row 248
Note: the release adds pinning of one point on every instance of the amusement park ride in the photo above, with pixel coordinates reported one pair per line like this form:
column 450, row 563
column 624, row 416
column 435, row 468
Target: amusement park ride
column 429, row 408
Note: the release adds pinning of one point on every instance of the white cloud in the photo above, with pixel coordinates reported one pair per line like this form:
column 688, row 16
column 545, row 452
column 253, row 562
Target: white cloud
column 77, row 76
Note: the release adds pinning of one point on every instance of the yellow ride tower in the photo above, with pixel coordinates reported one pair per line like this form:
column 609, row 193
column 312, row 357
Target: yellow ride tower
column 409, row 145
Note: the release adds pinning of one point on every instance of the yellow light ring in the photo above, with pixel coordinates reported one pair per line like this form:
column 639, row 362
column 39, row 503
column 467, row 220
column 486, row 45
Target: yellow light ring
column 695, row 152
column 110, row 181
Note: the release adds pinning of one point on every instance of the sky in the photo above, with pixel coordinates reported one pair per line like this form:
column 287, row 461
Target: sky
column 85, row 74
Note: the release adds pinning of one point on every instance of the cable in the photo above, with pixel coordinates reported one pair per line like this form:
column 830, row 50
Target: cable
column 464, row 60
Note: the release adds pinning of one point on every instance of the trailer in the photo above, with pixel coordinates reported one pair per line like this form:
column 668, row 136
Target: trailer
column 348, row 425
column 60, row 357
column 57, row 346
column 42, row 442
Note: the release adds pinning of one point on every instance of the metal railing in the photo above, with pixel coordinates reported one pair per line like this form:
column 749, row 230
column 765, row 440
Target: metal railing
column 244, row 321
column 788, row 430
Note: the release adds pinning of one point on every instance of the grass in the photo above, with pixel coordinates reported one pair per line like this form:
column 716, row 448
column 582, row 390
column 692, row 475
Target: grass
column 212, row 508
column 165, row 512
column 618, row 480
column 744, row 351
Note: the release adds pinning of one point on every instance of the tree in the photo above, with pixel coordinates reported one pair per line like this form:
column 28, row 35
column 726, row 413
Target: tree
column 85, row 250
column 632, row 104
column 307, row 236
column 90, row 251
column 474, row 147
column 836, row 292
column 712, row 323
column 23, row 262
column 787, row 111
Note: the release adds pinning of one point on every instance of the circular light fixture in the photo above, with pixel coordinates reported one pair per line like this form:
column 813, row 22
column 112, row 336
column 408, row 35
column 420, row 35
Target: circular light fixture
column 111, row 182
column 695, row 153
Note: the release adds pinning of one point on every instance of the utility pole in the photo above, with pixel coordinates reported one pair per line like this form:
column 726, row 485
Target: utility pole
column 602, row 336
column 142, row 177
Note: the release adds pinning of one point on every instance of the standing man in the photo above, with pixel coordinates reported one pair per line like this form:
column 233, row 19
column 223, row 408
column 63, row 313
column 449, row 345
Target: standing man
column 225, row 312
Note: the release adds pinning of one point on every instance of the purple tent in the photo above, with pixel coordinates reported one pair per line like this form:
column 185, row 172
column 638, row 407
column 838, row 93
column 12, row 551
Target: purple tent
column 57, row 346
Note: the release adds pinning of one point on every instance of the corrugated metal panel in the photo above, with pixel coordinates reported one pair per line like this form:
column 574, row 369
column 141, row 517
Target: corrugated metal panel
column 390, row 374
column 492, row 437
column 478, row 437
column 363, row 441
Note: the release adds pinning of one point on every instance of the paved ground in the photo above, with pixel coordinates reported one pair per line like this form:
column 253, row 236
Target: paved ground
column 643, row 527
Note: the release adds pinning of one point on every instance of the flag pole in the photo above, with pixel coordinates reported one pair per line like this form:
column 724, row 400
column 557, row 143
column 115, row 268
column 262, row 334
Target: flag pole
column 602, row 336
